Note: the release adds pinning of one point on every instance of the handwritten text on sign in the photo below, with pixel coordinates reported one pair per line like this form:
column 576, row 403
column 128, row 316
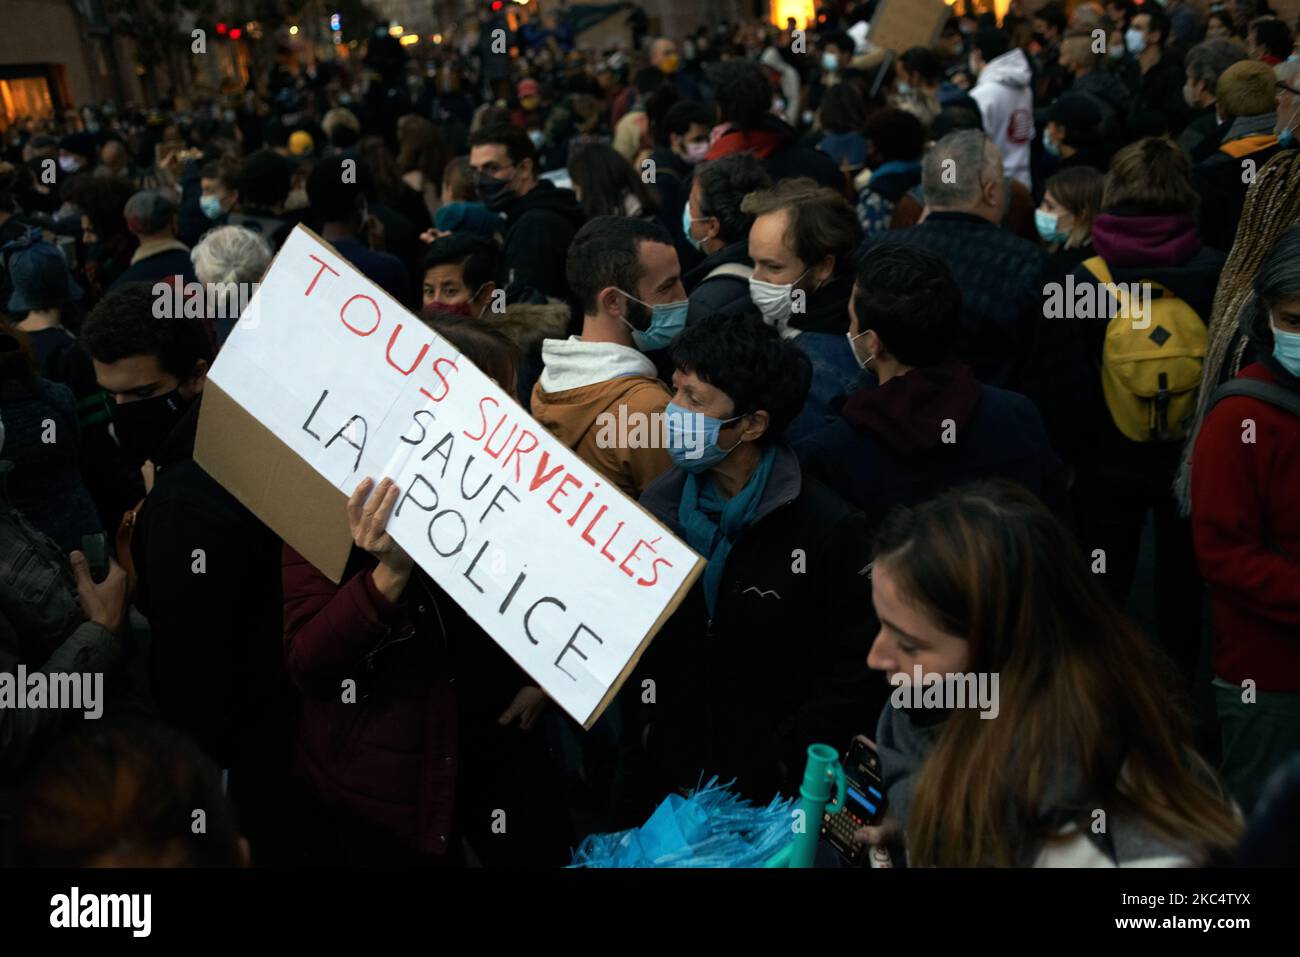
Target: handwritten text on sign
column 567, row 574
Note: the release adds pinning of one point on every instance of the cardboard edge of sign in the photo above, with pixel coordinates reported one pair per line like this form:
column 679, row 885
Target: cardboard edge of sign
column 249, row 461
column 886, row 17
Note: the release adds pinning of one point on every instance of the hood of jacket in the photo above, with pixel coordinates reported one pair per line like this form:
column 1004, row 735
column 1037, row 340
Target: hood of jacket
column 526, row 324
column 1011, row 69
column 582, row 379
column 827, row 308
column 770, row 135
column 546, row 195
column 1133, row 238
column 909, row 412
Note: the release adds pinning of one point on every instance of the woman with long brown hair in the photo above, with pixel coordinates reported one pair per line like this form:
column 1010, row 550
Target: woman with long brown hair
column 422, row 155
column 1083, row 758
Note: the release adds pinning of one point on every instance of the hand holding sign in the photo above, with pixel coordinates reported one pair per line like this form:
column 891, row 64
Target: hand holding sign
column 368, row 517
column 327, row 379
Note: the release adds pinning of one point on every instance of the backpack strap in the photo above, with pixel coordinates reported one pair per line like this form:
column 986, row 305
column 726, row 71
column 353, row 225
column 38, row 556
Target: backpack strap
column 734, row 270
column 1270, row 392
column 1097, row 266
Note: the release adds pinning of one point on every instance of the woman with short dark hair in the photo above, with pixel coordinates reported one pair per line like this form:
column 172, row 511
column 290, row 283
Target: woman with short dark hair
column 763, row 655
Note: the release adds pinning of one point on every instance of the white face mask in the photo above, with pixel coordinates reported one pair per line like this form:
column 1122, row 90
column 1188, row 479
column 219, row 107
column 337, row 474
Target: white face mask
column 775, row 301
column 853, row 348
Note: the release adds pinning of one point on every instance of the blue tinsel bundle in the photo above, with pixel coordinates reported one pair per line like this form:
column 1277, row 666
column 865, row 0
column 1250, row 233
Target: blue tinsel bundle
column 711, row 828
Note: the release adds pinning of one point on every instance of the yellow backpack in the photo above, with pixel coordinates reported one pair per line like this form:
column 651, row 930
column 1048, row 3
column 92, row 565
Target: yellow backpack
column 1150, row 364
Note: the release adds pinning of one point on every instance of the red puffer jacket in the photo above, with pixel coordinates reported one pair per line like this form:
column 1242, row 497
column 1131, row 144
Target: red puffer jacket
column 390, row 758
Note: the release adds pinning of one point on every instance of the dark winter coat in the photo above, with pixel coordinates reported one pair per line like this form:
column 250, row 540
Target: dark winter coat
column 782, row 663
column 927, row 431
column 540, row 225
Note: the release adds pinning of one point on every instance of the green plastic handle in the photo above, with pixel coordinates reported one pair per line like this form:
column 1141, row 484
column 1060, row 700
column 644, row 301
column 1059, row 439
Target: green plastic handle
column 837, row 805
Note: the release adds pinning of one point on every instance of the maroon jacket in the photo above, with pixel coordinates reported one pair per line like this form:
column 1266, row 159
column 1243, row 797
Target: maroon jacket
column 1247, row 534
column 390, row 758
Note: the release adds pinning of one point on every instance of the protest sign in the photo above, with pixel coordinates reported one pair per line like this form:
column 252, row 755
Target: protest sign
column 324, row 369
column 900, row 25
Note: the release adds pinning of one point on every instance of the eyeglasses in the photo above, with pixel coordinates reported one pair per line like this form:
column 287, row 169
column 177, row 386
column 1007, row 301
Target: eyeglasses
column 490, row 169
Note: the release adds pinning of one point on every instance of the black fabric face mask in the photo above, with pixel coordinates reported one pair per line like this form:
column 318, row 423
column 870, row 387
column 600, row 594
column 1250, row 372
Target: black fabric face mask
column 143, row 425
column 495, row 193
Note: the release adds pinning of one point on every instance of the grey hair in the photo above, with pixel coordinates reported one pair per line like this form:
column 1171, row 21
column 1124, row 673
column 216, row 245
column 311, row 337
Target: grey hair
column 1277, row 281
column 228, row 256
column 956, row 185
column 1206, row 61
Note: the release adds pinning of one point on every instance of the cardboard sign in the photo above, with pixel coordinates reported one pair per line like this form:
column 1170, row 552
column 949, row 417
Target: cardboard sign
column 900, row 25
column 326, row 380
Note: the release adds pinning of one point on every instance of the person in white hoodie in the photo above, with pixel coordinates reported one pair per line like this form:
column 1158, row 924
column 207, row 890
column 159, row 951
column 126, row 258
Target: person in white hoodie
column 1005, row 96
column 598, row 393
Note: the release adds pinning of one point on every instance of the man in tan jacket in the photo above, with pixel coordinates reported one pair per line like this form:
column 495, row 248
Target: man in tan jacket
column 598, row 394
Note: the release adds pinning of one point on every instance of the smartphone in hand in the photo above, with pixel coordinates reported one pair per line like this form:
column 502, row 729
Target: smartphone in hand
column 95, row 548
column 864, row 803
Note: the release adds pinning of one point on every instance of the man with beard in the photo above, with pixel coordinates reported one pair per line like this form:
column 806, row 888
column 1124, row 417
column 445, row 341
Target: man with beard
column 626, row 277
column 540, row 218
column 207, row 571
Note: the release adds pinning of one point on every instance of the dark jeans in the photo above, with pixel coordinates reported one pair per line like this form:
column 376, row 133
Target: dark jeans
column 1111, row 503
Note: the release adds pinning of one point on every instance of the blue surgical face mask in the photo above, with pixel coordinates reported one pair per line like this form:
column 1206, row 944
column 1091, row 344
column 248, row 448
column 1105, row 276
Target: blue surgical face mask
column 1287, row 136
column 211, row 206
column 1286, row 350
column 1115, row 52
column 1052, row 148
column 693, row 438
column 666, row 320
column 1047, row 223
column 687, row 219
column 1135, row 40
column 830, row 62
column 904, row 89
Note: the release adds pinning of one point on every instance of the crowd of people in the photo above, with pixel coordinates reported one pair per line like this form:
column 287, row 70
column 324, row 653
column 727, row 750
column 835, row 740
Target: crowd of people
column 976, row 358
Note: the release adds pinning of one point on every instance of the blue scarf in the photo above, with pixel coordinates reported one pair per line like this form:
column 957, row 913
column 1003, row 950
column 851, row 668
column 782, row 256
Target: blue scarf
column 713, row 523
